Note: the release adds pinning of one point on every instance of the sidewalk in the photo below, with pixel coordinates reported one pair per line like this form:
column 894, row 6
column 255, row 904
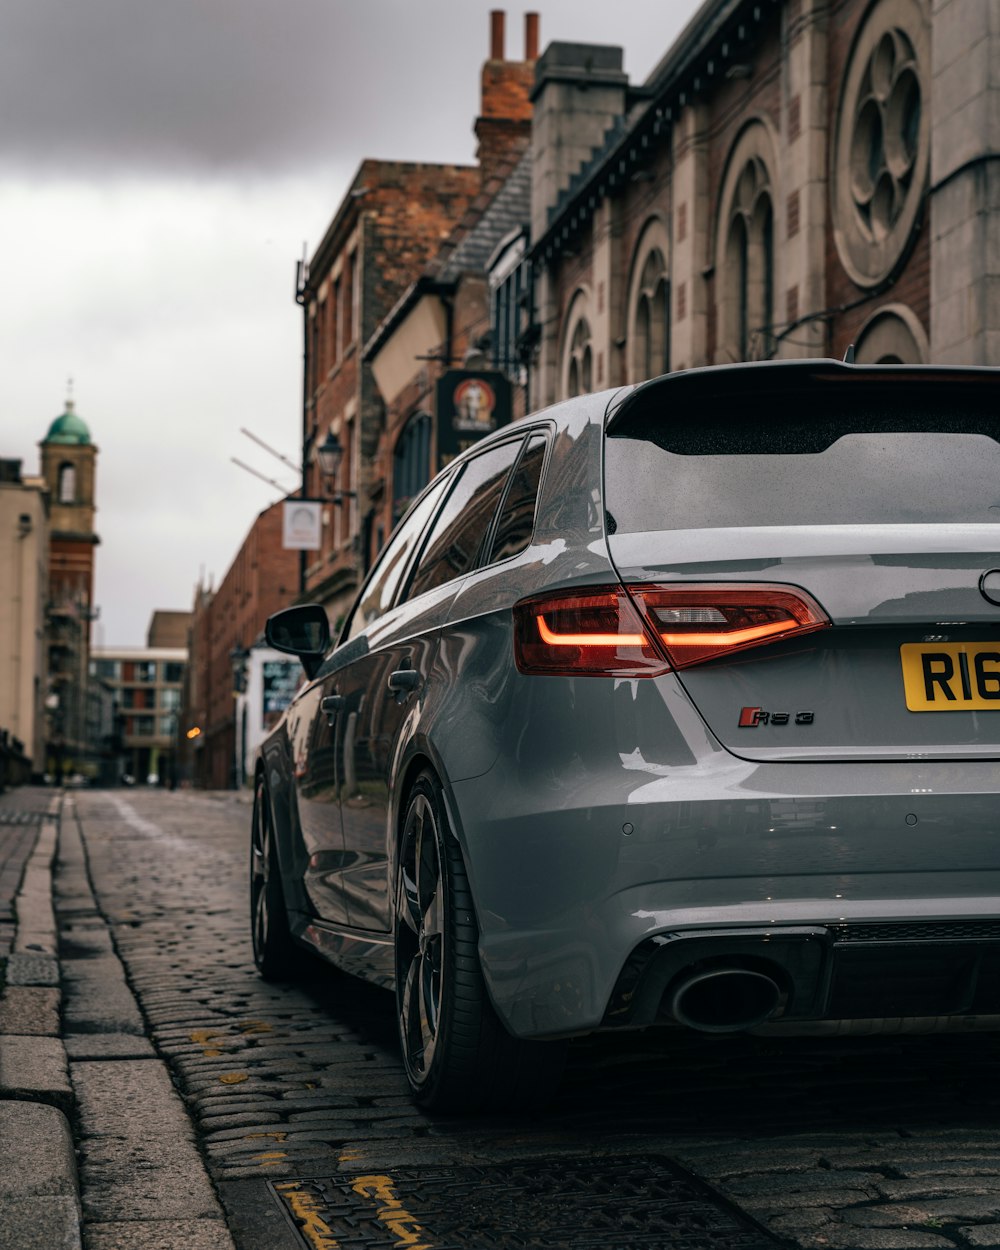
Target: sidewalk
column 39, row 1188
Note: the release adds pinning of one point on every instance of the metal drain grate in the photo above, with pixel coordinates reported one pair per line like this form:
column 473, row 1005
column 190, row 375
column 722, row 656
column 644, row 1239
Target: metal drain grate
column 592, row 1203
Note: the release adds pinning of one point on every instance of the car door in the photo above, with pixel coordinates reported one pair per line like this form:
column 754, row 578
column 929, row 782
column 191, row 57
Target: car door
column 390, row 684
column 339, row 698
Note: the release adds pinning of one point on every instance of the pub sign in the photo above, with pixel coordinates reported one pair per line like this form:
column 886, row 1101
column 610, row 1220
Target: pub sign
column 471, row 403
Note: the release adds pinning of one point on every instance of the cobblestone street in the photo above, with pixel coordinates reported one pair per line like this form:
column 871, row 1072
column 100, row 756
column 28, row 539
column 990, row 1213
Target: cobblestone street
column 887, row 1142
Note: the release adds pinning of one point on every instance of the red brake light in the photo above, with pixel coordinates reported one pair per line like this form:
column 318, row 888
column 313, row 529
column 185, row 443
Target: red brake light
column 608, row 631
column 697, row 622
column 595, row 633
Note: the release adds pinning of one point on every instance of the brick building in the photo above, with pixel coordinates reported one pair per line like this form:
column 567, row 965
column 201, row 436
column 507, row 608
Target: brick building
column 225, row 623
column 795, row 176
column 393, row 218
column 438, row 344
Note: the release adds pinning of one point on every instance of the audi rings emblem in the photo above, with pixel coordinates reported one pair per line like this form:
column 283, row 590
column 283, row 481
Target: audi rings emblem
column 989, row 586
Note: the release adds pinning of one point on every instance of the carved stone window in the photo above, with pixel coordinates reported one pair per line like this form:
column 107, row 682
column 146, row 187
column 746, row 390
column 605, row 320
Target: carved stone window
column 650, row 355
column 746, row 306
column 892, row 335
column 579, row 365
column 881, row 147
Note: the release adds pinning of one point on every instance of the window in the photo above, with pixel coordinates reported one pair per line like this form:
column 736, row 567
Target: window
column 108, row 669
column 142, row 726
column 651, row 354
column 458, row 533
column 510, row 285
column 337, row 314
column 145, row 670
column 579, row 375
column 747, row 304
column 351, row 300
column 170, row 699
column 173, row 672
column 517, row 518
column 167, row 726
column 411, row 463
column 380, row 589
column 67, row 483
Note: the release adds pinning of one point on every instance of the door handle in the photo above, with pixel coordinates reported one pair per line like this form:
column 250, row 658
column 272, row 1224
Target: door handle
column 404, row 681
column 331, row 705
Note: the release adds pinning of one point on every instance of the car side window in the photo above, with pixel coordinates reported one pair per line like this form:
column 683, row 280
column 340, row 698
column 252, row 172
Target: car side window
column 380, row 589
column 517, row 516
column 454, row 541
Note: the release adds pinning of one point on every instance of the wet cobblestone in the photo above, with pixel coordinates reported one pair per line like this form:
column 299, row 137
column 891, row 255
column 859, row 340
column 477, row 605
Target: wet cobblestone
column 853, row 1143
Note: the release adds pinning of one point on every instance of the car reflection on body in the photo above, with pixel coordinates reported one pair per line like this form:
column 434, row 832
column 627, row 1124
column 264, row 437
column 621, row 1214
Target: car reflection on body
column 674, row 705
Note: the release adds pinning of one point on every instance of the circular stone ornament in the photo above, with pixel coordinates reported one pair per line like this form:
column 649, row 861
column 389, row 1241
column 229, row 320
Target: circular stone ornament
column 882, row 143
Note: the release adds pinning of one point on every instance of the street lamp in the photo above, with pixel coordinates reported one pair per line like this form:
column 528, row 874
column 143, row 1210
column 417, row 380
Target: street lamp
column 329, row 454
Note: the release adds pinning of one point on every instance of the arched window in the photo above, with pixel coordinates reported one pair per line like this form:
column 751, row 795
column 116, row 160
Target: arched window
column 67, row 482
column 651, row 336
column 892, row 336
column 747, row 267
column 748, row 280
column 411, row 465
column 579, row 373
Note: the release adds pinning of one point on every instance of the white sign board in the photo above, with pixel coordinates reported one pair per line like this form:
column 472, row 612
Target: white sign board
column 301, row 525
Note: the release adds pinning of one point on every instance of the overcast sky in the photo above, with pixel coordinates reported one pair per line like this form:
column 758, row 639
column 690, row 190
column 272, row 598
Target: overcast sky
column 161, row 168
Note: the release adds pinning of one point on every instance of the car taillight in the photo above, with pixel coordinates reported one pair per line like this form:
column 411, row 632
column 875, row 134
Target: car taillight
column 644, row 630
column 596, row 633
column 699, row 622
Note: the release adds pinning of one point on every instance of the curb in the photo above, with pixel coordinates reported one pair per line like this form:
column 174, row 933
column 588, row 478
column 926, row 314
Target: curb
column 39, row 1185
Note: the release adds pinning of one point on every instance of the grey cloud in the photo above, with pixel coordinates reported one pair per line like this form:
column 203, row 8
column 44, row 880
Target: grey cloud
column 224, row 85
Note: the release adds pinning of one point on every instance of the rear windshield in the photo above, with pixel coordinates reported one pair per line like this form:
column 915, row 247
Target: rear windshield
column 815, row 466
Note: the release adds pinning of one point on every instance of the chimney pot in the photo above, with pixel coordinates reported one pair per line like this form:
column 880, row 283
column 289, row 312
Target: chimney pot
column 531, row 36
column 496, row 34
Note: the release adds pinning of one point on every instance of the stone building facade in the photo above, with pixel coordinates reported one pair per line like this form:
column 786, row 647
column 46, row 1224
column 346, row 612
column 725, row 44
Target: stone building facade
column 794, row 177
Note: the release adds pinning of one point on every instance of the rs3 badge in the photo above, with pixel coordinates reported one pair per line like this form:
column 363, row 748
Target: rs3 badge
column 751, row 717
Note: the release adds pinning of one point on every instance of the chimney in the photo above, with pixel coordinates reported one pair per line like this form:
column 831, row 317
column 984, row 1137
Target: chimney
column 579, row 94
column 503, row 128
column 497, row 19
column 531, row 37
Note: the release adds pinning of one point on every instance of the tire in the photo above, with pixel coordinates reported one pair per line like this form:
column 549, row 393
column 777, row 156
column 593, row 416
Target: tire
column 274, row 952
column 458, row 1056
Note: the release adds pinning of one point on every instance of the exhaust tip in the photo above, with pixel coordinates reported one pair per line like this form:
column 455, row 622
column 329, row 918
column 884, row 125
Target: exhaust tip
column 725, row 1000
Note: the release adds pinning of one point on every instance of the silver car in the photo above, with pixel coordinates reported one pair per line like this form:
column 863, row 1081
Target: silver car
column 674, row 705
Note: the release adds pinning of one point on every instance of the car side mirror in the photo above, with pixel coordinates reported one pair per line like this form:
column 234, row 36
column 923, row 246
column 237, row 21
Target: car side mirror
column 303, row 631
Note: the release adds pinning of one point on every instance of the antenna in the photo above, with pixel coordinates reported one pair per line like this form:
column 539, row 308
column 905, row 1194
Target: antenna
column 270, row 480
column 277, row 454
column 849, row 354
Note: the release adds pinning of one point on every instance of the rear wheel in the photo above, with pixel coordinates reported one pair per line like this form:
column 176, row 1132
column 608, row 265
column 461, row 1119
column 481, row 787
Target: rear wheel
column 458, row 1056
column 274, row 952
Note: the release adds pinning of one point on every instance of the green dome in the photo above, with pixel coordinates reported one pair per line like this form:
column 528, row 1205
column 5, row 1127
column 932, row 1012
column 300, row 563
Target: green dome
column 68, row 428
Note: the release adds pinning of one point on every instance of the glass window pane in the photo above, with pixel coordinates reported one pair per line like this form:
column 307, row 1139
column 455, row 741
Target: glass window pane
column 377, row 594
column 458, row 533
column 517, row 519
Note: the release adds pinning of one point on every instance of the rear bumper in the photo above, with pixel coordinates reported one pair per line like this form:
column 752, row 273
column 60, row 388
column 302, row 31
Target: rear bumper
column 898, row 970
column 595, row 895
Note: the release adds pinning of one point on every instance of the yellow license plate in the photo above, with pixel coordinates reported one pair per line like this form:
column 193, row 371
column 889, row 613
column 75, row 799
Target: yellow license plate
column 951, row 676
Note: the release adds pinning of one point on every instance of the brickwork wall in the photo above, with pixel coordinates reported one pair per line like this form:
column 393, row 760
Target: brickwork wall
column 262, row 579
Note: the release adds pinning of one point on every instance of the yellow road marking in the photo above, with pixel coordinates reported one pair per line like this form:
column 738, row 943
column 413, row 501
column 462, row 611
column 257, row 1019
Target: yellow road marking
column 305, row 1208
column 203, row 1038
column 269, row 1159
column 234, row 1078
column 270, row 1136
column 254, row 1026
column 392, row 1213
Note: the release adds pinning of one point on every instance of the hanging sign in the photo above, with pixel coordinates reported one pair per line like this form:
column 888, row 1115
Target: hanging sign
column 471, row 403
column 301, row 525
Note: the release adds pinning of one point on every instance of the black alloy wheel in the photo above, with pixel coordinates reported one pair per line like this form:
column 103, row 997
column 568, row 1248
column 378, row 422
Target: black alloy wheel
column 458, row 1056
column 273, row 949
